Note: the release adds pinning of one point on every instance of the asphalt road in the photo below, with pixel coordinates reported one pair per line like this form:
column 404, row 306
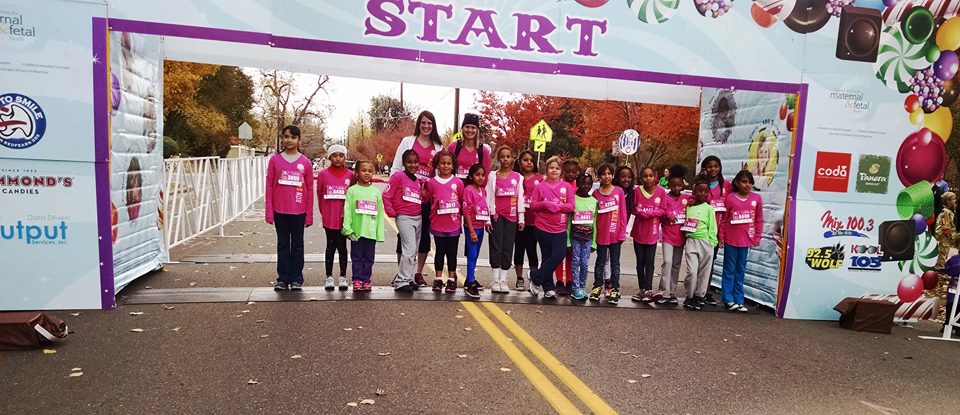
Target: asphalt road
column 455, row 357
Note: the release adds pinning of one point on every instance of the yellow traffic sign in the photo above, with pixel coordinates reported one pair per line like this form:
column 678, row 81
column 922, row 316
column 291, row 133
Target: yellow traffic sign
column 540, row 146
column 541, row 132
column 456, row 136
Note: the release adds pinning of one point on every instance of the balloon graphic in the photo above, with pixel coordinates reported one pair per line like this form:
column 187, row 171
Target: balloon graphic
column 115, row 94
column 808, row 16
column 930, row 279
column 946, row 65
column 951, row 89
column 943, row 185
column 922, row 156
column 592, row 3
column 910, row 288
column 911, row 104
column 948, row 35
column 917, row 25
column 916, row 117
column 952, row 266
column 940, row 122
column 890, row 3
column 919, row 223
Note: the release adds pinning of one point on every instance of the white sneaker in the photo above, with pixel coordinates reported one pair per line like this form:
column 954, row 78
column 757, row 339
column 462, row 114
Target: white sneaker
column 742, row 308
column 550, row 294
column 329, row 284
column 500, row 281
column 343, row 284
column 534, row 289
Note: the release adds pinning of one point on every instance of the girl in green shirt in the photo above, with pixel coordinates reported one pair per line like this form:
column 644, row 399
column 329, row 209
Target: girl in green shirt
column 701, row 230
column 363, row 224
column 582, row 232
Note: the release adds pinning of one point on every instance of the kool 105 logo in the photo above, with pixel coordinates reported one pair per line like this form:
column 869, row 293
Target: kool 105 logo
column 865, row 258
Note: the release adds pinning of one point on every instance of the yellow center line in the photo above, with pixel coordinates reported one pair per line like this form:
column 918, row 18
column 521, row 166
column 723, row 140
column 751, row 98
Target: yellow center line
column 547, row 389
column 591, row 399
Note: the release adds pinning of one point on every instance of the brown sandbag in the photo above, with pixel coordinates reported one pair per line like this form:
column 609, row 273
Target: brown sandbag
column 863, row 314
column 29, row 330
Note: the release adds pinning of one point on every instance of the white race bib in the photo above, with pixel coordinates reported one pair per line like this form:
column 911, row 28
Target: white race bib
column 411, row 195
column 741, row 217
column 291, row 178
column 447, row 207
column 367, row 207
column 335, row 192
column 583, row 218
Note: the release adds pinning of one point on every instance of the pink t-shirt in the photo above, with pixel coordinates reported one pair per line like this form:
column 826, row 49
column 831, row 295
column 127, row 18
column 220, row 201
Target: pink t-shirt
column 425, row 171
column 289, row 187
column 744, row 220
column 467, row 158
column 444, row 197
column 671, row 230
column 505, row 194
column 529, row 184
column 552, row 202
column 646, row 224
column 475, row 205
column 611, row 216
column 718, row 201
column 403, row 196
column 332, row 188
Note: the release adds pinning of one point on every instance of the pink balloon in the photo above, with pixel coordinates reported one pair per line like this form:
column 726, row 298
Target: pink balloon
column 910, row 288
column 922, row 156
column 930, row 279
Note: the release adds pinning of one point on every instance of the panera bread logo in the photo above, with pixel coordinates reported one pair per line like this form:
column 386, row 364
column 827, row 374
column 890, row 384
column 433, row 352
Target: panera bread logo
column 873, row 174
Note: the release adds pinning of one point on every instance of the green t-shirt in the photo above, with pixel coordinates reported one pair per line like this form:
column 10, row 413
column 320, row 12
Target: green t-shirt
column 363, row 213
column 706, row 222
column 583, row 221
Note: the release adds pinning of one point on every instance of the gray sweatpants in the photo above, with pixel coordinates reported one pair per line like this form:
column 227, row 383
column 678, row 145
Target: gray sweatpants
column 502, row 240
column 410, row 228
column 670, row 272
column 699, row 255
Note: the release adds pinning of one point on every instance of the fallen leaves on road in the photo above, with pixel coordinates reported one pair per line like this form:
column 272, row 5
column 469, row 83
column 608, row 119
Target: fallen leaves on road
column 348, row 329
column 261, row 321
column 461, row 356
column 252, row 382
column 76, row 369
column 458, row 316
column 264, row 336
column 732, row 373
column 403, row 314
column 383, row 354
column 177, row 329
column 467, row 329
column 296, row 356
column 137, row 330
column 313, row 299
column 645, row 375
column 49, row 351
column 136, row 313
column 352, row 404
column 380, row 392
column 75, row 314
column 624, row 353
column 368, row 402
column 505, row 369
column 168, row 307
column 76, row 374
column 631, row 381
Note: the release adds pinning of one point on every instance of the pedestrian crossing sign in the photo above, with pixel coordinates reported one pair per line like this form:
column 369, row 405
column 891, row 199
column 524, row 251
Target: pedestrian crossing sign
column 541, row 132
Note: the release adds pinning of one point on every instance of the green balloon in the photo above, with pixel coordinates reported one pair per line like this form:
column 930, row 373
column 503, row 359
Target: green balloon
column 932, row 52
column 791, row 101
column 917, row 25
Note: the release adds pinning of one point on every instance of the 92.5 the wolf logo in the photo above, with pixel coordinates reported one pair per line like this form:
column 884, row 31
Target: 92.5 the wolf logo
column 827, row 257
column 22, row 121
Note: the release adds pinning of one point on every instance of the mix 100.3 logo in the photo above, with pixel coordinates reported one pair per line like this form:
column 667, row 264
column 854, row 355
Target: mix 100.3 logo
column 34, row 233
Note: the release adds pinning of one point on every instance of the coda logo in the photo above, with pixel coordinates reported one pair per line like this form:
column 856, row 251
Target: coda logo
column 34, row 233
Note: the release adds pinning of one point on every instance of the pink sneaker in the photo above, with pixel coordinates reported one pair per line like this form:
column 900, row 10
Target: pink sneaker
column 357, row 285
column 366, row 286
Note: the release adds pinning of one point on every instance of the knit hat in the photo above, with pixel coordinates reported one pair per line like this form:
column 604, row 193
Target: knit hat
column 471, row 119
column 337, row 148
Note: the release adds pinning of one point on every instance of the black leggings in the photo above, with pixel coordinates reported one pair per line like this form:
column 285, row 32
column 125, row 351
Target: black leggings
column 446, row 249
column 526, row 242
column 336, row 242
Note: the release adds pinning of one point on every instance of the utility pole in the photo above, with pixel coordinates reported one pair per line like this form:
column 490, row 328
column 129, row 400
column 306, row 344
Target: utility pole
column 401, row 97
column 456, row 109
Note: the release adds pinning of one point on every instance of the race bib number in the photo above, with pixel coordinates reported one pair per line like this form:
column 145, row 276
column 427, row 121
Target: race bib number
column 335, row 192
column 681, row 217
column 506, row 191
column 367, row 207
column 690, row 225
column 291, row 178
column 719, row 205
column 462, row 172
column 526, row 202
column 411, row 195
column 608, row 206
column 483, row 215
column 583, row 218
column 423, row 173
column 447, row 207
column 741, row 217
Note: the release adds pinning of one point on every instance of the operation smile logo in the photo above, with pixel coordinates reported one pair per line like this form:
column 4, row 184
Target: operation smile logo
column 22, row 121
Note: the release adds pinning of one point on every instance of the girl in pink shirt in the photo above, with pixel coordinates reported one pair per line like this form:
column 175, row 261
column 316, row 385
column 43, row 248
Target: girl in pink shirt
column 553, row 201
column 444, row 192
column 611, row 232
column 712, row 170
column 675, row 207
column 742, row 230
column 526, row 241
column 505, row 197
column 476, row 217
column 402, row 201
column 649, row 199
column 332, row 185
column 289, row 207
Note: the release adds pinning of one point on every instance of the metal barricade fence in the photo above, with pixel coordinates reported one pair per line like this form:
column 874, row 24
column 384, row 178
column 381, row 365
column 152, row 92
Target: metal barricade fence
column 206, row 192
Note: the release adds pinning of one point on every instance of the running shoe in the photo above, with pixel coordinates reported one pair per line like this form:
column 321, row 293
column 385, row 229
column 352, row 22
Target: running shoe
column 562, row 288
column 579, row 294
column 437, row 285
column 418, row 279
column 471, row 288
column 296, row 286
column 595, row 293
column 613, row 297
column 519, row 286
column 328, row 285
column 343, row 284
column 366, row 286
column 451, row 286
column 550, row 294
column 280, row 286
column 708, row 299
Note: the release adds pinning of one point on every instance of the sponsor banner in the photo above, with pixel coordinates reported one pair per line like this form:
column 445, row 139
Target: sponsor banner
column 749, row 130
column 46, row 80
column 136, row 154
column 48, row 235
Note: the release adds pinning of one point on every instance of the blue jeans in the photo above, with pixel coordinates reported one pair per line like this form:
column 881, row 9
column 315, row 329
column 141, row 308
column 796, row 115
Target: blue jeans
column 734, row 269
column 603, row 251
column 289, row 247
column 553, row 246
column 581, row 262
column 473, row 250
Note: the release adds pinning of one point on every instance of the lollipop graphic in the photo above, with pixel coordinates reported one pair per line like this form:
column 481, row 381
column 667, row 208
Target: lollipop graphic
column 898, row 60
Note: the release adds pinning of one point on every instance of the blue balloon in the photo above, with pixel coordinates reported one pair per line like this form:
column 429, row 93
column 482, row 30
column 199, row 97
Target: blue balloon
column 942, row 184
column 952, row 266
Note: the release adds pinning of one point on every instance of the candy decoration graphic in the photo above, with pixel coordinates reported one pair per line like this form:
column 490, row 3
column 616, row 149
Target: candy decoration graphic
column 653, row 11
column 898, row 60
column 22, row 121
column 713, row 8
